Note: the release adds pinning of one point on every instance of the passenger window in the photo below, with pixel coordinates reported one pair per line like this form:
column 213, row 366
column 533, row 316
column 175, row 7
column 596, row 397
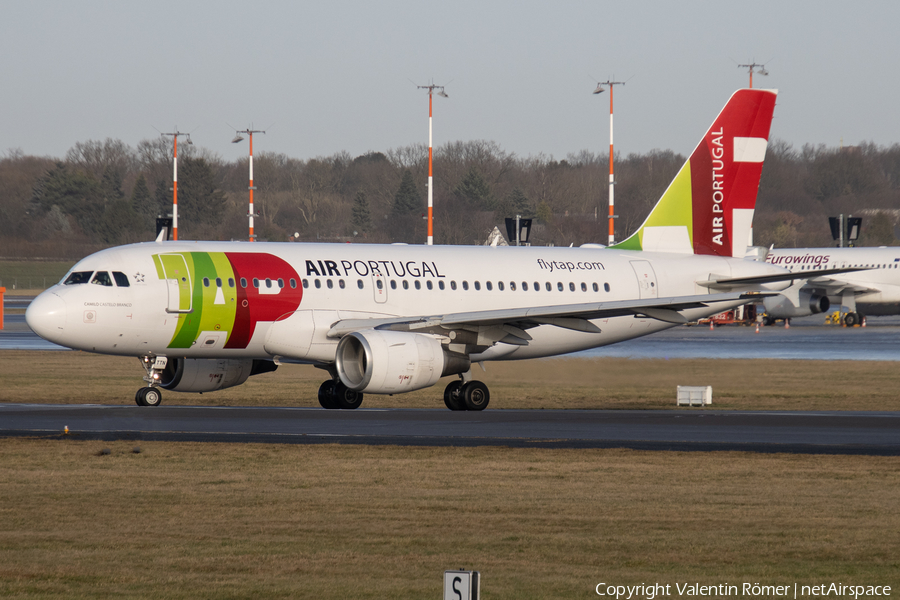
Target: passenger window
column 243, row 282
column 268, row 283
column 453, row 285
column 548, row 286
column 318, row 284
column 596, row 287
column 477, row 285
column 255, row 282
column 418, row 284
column 393, row 284
column 305, row 283
column 524, row 286
column 512, row 286
column 429, row 285
column 293, row 283
column 571, row 287
column 606, row 286
column 441, row 284
column 121, row 279
column 102, row 278
column 231, row 282
column 359, row 283
column 405, row 284
column 218, row 282
column 559, row 285
column 379, row 284
column 280, row 283
column 206, row 282
column 466, row 285
column 583, row 286
column 79, row 277
column 341, row 284
column 330, row 285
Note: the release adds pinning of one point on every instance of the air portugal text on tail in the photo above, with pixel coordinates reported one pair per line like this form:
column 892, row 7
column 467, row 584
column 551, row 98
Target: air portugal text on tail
column 385, row 319
column 708, row 207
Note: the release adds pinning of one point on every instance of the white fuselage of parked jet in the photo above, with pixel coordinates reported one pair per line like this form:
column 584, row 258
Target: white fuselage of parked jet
column 874, row 290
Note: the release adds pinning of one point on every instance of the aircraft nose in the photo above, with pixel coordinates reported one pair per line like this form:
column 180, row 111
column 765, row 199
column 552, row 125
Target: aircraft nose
column 46, row 315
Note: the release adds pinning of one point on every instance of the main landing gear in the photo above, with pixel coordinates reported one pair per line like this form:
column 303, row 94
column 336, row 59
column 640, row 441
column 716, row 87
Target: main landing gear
column 458, row 395
column 466, row 395
column 334, row 394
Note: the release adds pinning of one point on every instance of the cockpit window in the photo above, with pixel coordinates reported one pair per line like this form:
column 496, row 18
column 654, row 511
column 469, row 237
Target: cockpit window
column 78, row 277
column 102, row 278
column 121, row 279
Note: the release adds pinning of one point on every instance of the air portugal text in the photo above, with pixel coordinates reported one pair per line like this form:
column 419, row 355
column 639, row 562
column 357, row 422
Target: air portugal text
column 718, row 185
column 364, row 268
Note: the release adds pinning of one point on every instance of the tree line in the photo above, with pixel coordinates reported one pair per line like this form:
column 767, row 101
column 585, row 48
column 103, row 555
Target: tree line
column 105, row 193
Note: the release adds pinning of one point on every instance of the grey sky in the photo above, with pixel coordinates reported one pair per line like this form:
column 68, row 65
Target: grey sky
column 325, row 77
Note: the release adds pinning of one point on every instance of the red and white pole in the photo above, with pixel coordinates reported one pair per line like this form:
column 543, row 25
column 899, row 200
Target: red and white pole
column 612, row 202
column 175, row 189
column 430, row 175
column 252, row 236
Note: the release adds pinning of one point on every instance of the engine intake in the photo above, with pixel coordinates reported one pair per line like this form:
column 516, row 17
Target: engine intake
column 391, row 362
column 210, row 374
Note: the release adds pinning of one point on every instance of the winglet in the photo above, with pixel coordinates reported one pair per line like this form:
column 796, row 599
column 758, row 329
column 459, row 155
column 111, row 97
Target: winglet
column 708, row 207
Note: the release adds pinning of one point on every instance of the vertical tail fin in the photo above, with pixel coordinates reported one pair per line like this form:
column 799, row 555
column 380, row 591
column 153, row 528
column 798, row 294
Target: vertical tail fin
column 708, row 207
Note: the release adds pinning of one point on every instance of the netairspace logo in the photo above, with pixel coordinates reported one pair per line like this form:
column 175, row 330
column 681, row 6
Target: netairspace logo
column 744, row 590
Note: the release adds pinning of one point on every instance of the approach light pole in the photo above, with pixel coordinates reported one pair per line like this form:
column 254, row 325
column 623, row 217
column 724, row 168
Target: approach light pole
column 174, row 136
column 612, row 204
column 760, row 69
column 238, row 138
column 441, row 93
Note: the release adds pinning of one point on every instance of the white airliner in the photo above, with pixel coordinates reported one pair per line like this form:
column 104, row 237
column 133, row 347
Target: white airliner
column 388, row 319
column 873, row 291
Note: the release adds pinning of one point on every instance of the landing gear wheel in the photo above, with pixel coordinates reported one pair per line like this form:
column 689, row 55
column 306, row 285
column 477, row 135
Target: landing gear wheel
column 476, row 395
column 453, row 398
column 326, row 395
column 345, row 398
column 148, row 396
column 851, row 319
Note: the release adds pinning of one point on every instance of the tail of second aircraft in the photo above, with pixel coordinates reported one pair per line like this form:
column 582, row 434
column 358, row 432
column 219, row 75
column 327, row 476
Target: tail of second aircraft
column 708, row 207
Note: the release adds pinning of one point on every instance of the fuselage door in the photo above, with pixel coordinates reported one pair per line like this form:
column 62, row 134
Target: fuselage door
column 646, row 279
column 379, row 287
column 178, row 281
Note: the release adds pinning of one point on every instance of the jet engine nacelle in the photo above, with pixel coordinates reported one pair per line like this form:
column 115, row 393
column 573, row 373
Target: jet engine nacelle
column 781, row 307
column 391, row 362
column 210, row 374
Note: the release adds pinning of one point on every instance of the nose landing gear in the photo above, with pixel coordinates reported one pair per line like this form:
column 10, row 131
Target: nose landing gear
column 151, row 395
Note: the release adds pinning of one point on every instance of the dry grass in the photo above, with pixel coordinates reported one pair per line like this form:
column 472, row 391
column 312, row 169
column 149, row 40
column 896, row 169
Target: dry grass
column 560, row 383
column 257, row 521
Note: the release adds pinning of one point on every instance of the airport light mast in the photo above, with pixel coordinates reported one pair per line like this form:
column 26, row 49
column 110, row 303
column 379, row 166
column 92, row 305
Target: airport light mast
column 174, row 136
column 431, row 88
column 612, row 213
column 760, row 69
column 238, row 138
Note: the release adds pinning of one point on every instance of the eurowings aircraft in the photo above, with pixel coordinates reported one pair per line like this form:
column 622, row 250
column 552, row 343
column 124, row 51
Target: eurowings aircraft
column 873, row 291
column 388, row 319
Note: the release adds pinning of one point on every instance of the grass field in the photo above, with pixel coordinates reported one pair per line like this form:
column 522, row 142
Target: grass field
column 184, row 520
column 19, row 275
column 180, row 520
column 559, row 383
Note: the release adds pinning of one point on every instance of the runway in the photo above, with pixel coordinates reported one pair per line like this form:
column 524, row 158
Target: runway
column 875, row 433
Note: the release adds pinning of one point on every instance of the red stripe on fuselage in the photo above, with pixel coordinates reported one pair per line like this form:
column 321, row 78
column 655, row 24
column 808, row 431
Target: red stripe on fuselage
column 253, row 306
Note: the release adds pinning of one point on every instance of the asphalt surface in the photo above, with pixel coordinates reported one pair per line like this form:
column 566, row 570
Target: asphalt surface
column 875, row 433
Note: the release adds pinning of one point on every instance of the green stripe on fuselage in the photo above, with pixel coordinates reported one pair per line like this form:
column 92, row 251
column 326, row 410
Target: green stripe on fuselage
column 206, row 314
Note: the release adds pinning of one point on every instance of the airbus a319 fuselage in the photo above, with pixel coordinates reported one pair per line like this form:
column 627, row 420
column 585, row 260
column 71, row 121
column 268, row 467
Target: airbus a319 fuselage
column 388, row 319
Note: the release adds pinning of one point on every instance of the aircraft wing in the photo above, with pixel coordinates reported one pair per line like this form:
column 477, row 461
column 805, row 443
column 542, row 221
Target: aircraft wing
column 727, row 283
column 570, row 316
column 836, row 287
